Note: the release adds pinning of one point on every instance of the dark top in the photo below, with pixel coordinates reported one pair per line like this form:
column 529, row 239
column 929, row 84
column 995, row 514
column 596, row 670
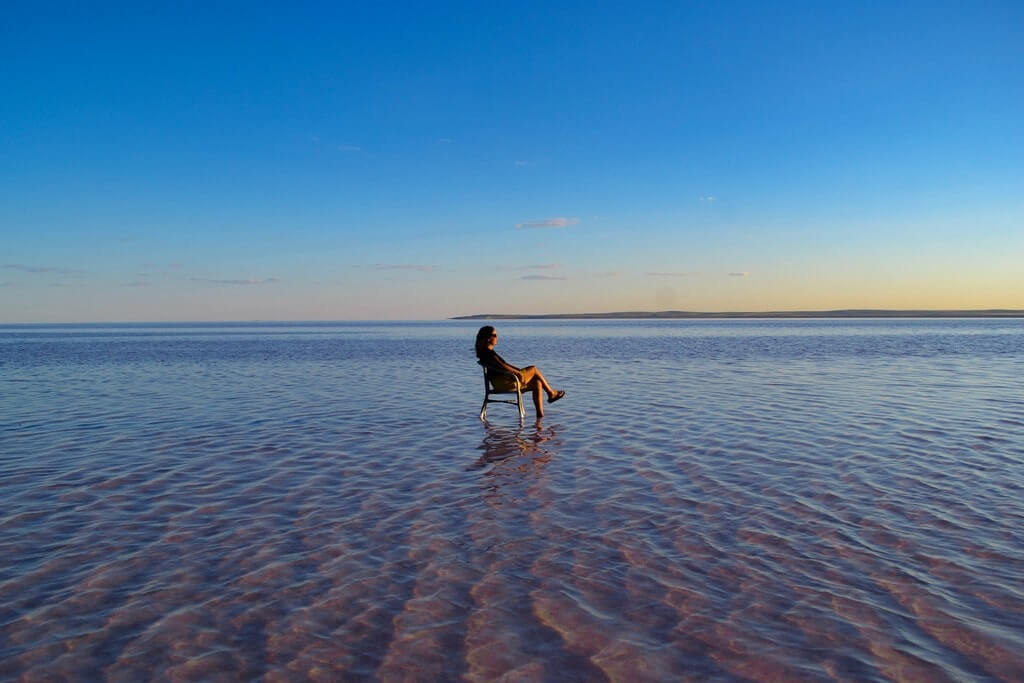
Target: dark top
column 492, row 361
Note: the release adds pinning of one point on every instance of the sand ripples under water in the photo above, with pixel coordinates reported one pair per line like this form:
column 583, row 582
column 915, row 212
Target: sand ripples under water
column 745, row 501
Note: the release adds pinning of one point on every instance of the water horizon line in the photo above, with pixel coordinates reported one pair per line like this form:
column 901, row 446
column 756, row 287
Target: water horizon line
column 611, row 315
column 684, row 315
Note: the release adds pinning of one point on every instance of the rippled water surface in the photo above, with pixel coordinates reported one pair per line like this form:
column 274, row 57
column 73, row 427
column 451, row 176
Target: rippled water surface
column 713, row 500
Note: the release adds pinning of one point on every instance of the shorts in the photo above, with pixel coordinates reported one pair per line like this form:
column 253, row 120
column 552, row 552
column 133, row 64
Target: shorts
column 503, row 383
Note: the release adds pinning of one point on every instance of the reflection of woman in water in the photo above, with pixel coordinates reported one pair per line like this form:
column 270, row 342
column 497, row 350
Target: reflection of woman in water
column 530, row 377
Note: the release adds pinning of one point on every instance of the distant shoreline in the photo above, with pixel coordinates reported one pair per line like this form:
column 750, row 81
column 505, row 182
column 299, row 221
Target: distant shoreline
column 692, row 315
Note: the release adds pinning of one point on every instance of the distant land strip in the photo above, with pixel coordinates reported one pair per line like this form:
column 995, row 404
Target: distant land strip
column 844, row 313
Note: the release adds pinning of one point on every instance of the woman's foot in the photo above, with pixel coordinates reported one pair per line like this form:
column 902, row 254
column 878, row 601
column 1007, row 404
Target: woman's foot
column 555, row 396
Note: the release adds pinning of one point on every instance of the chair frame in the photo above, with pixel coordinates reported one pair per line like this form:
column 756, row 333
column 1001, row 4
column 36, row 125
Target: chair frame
column 489, row 389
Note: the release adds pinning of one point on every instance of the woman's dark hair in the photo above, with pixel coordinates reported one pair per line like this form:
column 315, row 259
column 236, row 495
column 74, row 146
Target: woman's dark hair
column 483, row 335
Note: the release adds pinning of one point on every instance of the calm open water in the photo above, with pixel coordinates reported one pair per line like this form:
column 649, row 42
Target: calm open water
column 713, row 500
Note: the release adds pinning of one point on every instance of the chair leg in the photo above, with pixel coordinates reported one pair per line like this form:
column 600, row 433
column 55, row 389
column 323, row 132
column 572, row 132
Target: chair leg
column 487, row 399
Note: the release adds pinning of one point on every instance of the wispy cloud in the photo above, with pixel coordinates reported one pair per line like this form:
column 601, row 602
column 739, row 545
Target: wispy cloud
column 673, row 273
column 41, row 269
column 543, row 277
column 349, row 148
column 556, row 222
column 709, row 198
column 534, row 266
column 215, row 281
column 404, row 266
column 739, row 274
column 445, row 141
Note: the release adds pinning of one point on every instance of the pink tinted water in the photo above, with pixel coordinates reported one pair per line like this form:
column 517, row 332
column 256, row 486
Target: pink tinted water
column 748, row 501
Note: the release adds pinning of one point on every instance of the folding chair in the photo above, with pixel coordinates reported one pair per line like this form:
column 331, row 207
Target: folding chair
column 499, row 382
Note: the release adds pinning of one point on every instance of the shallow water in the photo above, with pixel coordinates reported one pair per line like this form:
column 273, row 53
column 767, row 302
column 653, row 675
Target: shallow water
column 713, row 500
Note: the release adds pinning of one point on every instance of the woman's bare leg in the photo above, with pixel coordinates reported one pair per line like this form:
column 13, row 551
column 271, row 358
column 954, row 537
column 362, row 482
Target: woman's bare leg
column 532, row 374
column 538, row 398
column 534, row 381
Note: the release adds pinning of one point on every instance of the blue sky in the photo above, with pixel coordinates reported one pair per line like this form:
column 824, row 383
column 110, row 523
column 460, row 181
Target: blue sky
column 419, row 161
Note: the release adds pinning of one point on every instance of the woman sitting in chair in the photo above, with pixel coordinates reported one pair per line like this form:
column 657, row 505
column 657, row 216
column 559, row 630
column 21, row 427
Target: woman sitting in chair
column 530, row 378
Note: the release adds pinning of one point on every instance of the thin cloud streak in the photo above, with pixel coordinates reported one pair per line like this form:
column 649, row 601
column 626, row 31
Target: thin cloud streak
column 739, row 274
column 536, row 266
column 543, row 277
column 679, row 273
column 41, row 269
column 405, row 266
column 556, row 222
column 214, row 281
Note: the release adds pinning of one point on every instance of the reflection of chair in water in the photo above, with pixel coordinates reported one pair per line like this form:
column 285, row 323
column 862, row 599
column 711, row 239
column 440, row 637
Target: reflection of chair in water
column 501, row 444
column 499, row 382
